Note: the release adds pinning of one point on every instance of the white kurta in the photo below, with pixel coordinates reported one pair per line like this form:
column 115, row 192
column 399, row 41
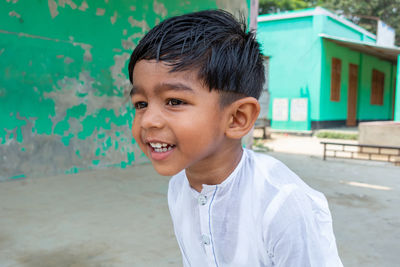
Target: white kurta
column 261, row 215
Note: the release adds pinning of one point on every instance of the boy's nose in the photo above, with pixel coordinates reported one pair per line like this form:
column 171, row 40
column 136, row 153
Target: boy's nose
column 152, row 118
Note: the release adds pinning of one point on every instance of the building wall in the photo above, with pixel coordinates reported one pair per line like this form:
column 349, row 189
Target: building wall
column 294, row 62
column 336, row 28
column 366, row 111
column 330, row 110
column 300, row 67
column 64, row 104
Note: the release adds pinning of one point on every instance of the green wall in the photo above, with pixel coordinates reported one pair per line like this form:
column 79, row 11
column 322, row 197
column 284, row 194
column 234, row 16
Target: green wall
column 294, row 60
column 333, row 27
column 64, row 104
column 330, row 110
column 300, row 67
column 336, row 28
column 366, row 111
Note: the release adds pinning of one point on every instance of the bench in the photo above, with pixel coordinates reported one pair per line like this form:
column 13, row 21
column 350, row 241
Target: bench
column 363, row 152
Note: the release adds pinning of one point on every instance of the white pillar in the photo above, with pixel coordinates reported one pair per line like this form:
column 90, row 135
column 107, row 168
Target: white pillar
column 253, row 14
column 397, row 93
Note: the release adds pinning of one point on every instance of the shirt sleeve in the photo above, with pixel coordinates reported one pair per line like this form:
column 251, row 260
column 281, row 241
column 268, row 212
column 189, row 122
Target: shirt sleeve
column 300, row 234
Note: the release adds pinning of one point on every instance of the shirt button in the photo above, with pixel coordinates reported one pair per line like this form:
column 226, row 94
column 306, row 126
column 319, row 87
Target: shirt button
column 202, row 200
column 205, row 239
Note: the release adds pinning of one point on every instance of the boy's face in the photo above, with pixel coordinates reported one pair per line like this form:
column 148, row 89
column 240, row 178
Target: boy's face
column 178, row 122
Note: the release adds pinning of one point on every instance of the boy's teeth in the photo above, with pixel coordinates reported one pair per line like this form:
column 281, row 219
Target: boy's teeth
column 163, row 149
column 158, row 145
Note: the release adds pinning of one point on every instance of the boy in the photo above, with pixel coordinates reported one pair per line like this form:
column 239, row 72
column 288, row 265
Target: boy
column 196, row 80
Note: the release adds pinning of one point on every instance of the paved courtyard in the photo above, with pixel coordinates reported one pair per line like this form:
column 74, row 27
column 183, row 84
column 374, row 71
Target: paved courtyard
column 118, row 217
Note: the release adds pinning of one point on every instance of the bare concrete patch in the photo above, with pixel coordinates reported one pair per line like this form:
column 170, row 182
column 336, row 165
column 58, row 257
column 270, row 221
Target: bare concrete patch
column 82, row 255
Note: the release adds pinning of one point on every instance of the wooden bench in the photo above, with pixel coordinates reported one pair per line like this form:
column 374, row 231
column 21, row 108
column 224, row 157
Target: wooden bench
column 363, row 152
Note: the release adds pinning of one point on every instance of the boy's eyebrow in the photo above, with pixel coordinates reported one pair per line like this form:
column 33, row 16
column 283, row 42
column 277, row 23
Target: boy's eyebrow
column 134, row 90
column 163, row 87
column 173, row 87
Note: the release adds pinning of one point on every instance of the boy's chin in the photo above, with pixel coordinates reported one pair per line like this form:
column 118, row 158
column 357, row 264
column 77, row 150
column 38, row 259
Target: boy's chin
column 165, row 171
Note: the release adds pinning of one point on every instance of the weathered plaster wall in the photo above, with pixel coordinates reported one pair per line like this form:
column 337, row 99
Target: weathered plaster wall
column 64, row 104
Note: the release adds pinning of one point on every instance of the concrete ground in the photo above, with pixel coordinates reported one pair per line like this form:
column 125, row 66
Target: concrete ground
column 118, row 217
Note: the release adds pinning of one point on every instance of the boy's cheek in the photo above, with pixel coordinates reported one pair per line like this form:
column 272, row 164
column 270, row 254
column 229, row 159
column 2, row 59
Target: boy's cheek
column 136, row 135
column 135, row 130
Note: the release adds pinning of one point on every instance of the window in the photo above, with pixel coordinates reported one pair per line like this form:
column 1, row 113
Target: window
column 378, row 80
column 335, row 79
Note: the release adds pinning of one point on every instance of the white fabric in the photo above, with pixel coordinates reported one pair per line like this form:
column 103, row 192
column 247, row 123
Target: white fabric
column 261, row 215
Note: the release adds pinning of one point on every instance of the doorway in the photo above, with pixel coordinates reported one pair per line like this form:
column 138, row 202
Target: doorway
column 352, row 96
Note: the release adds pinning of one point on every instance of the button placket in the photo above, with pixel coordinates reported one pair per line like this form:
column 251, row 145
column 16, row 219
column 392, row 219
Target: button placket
column 202, row 199
column 204, row 204
column 204, row 220
column 205, row 239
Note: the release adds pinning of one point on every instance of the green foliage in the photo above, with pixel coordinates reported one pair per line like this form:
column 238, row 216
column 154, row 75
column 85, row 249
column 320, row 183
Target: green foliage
column 273, row 6
column 362, row 13
column 366, row 13
column 337, row 135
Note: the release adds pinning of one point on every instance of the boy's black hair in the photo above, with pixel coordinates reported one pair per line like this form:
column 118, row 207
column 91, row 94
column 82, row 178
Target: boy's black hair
column 212, row 42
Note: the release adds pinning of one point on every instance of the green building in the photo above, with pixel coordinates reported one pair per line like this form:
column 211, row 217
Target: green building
column 325, row 71
column 64, row 87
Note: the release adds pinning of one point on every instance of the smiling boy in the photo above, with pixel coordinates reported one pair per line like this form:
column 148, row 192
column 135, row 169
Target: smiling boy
column 196, row 80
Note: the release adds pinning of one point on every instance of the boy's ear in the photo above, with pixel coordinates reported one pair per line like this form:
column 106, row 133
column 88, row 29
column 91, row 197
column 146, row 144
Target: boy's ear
column 243, row 114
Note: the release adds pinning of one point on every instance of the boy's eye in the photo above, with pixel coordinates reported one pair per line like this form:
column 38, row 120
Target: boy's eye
column 140, row 105
column 174, row 102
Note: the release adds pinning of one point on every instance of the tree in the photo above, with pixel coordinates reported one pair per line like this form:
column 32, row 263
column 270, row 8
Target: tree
column 274, row 6
column 366, row 13
column 363, row 13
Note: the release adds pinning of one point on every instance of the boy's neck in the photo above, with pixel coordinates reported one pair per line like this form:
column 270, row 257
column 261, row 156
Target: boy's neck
column 216, row 169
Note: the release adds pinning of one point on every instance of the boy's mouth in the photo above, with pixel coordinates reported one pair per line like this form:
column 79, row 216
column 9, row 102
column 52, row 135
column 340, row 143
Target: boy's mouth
column 161, row 147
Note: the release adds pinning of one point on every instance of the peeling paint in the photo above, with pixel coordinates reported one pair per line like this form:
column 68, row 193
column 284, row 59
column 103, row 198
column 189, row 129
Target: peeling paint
column 87, row 56
column 83, row 6
column 68, row 60
column 20, row 176
column 62, row 3
column 65, row 106
column 159, row 9
column 138, row 23
column 100, row 11
column 113, row 19
column 53, row 8
column 130, row 42
column 127, row 44
column 121, row 81
column 14, row 14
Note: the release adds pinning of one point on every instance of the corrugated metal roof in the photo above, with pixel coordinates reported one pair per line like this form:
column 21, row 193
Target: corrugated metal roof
column 383, row 52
